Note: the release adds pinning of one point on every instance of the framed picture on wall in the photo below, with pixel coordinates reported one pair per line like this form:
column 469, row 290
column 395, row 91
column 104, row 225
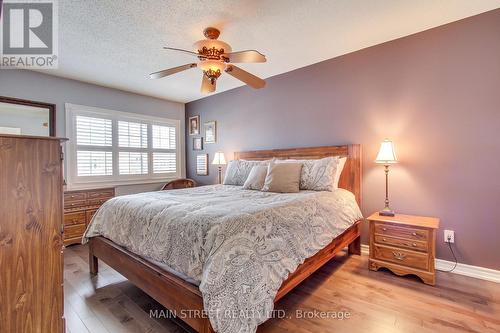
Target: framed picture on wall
column 198, row 143
column 194, row 125
column 210, row 132
column 202, row 164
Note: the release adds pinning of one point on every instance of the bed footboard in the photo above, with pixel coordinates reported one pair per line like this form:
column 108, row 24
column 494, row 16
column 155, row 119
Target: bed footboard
column 180, row 296
column 177, row 295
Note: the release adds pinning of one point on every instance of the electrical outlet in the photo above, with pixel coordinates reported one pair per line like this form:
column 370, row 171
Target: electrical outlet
column 449, row 236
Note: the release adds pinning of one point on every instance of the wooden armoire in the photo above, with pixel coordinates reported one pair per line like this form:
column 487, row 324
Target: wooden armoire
column 31, row 220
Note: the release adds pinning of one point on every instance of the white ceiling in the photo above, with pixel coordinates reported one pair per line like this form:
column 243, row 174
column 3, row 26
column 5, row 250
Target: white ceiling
column 117, row 43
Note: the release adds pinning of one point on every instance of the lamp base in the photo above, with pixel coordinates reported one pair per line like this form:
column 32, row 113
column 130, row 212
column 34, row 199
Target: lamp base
column 386, row 212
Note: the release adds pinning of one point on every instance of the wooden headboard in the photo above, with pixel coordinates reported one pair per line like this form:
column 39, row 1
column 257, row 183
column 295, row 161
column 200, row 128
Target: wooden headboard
column 350, row 179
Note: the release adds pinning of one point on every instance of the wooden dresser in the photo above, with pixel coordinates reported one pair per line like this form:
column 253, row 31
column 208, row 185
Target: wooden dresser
column 404, row 244
column 79, row 207
column 31, row 261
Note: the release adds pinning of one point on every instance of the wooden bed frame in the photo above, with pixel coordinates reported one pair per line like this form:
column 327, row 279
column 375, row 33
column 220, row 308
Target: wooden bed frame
column 180, row 296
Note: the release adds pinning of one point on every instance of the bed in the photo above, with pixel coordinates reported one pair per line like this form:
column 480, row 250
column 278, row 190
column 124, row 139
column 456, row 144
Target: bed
column 194, row 302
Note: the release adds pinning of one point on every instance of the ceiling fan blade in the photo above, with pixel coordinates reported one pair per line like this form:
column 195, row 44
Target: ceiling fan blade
column 184, row 51
column 245, row 56
column 170, row 71
column 206, row 85
column 250, row 79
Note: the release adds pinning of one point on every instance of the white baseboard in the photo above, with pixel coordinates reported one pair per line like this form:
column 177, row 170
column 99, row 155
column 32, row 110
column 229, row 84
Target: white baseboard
column 461, row 269
column 469, row 270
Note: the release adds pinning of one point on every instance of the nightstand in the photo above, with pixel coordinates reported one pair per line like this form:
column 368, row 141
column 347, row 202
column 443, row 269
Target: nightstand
column 404, row 244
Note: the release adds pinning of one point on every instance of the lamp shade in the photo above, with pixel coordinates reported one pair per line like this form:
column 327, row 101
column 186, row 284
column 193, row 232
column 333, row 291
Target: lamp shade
column 386, row 153
column 219, row 158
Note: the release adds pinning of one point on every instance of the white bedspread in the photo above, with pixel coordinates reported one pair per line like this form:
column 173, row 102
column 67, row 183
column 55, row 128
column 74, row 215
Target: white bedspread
column 240, row 244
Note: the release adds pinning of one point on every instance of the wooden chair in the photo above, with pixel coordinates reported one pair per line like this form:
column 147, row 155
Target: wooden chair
column 179, row 183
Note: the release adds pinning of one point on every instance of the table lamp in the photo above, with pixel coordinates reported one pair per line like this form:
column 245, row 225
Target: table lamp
column 386, row 156
column 219, row 160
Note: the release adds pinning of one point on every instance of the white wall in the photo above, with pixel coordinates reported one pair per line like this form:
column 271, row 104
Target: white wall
column 50, row 89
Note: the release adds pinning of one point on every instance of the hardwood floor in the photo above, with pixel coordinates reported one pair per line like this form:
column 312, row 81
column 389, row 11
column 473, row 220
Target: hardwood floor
column 374, row 302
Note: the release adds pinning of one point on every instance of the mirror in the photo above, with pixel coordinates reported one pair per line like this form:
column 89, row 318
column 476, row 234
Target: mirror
column 23, row 117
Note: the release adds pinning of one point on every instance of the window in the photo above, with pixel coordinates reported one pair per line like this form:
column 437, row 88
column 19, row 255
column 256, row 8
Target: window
column 113, row 148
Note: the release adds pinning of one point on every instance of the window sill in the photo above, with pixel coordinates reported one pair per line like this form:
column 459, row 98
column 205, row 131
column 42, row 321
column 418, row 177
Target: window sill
column 105, row 184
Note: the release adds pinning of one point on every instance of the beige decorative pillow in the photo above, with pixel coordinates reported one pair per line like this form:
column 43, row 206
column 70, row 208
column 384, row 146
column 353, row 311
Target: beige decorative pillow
column 256, row 178
column 318, row 175
column 282, row 177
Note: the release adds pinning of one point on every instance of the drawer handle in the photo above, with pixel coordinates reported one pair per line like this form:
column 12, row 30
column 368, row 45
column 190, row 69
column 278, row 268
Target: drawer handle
column 384, row 229
column 414, row 245
column 385, row 240
column 72, row 196
column 414, row 234
column 399, row 255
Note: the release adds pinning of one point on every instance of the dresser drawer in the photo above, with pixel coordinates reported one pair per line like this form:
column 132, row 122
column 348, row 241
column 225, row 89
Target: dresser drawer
column 401, row 232
column 74, row 204
column 74, row 218
column 105, row 193
column 90, row 215
column 74, row 231
column 97, row 202
column 409, row 244
column 69, row 197
column 401, row 257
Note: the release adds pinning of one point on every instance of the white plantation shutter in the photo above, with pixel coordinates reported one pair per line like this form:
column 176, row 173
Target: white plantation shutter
column 133, row 163
column 113, row 148
column 163, row 137
column 164, row 149
column 132, row 135
column 164, row 163
column 94, row 163
column 93, row 131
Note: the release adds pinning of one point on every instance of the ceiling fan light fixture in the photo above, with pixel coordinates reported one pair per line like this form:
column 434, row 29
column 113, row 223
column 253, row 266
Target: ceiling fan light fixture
column 215, row 57
column 212, row 75
column 211, row 48
column 213, row 65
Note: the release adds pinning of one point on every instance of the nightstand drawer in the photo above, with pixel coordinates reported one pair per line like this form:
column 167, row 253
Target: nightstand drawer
column 409, row 244
column 401, row 232
column 401, row 257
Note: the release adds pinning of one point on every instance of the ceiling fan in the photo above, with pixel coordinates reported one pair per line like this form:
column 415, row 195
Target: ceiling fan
column 216, row 56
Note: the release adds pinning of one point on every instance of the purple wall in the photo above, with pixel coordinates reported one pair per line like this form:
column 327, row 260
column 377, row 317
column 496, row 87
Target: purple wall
column 435, row 93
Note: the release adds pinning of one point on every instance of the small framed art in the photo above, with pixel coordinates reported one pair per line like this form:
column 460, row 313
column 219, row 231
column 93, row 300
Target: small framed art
column 210, row 132
column 202, row 164
column 194, row 125
column 198, row 143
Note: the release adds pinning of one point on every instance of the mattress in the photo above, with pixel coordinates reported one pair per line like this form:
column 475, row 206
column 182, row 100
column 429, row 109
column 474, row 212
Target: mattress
column 237, row 245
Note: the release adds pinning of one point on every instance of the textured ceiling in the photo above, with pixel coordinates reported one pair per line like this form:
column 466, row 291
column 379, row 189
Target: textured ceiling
column 116, row 43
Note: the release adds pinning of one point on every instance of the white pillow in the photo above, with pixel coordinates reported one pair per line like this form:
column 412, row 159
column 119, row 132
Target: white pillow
column 338, row 171
column 238, row 170
column 318, row 175
column 256, row 178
